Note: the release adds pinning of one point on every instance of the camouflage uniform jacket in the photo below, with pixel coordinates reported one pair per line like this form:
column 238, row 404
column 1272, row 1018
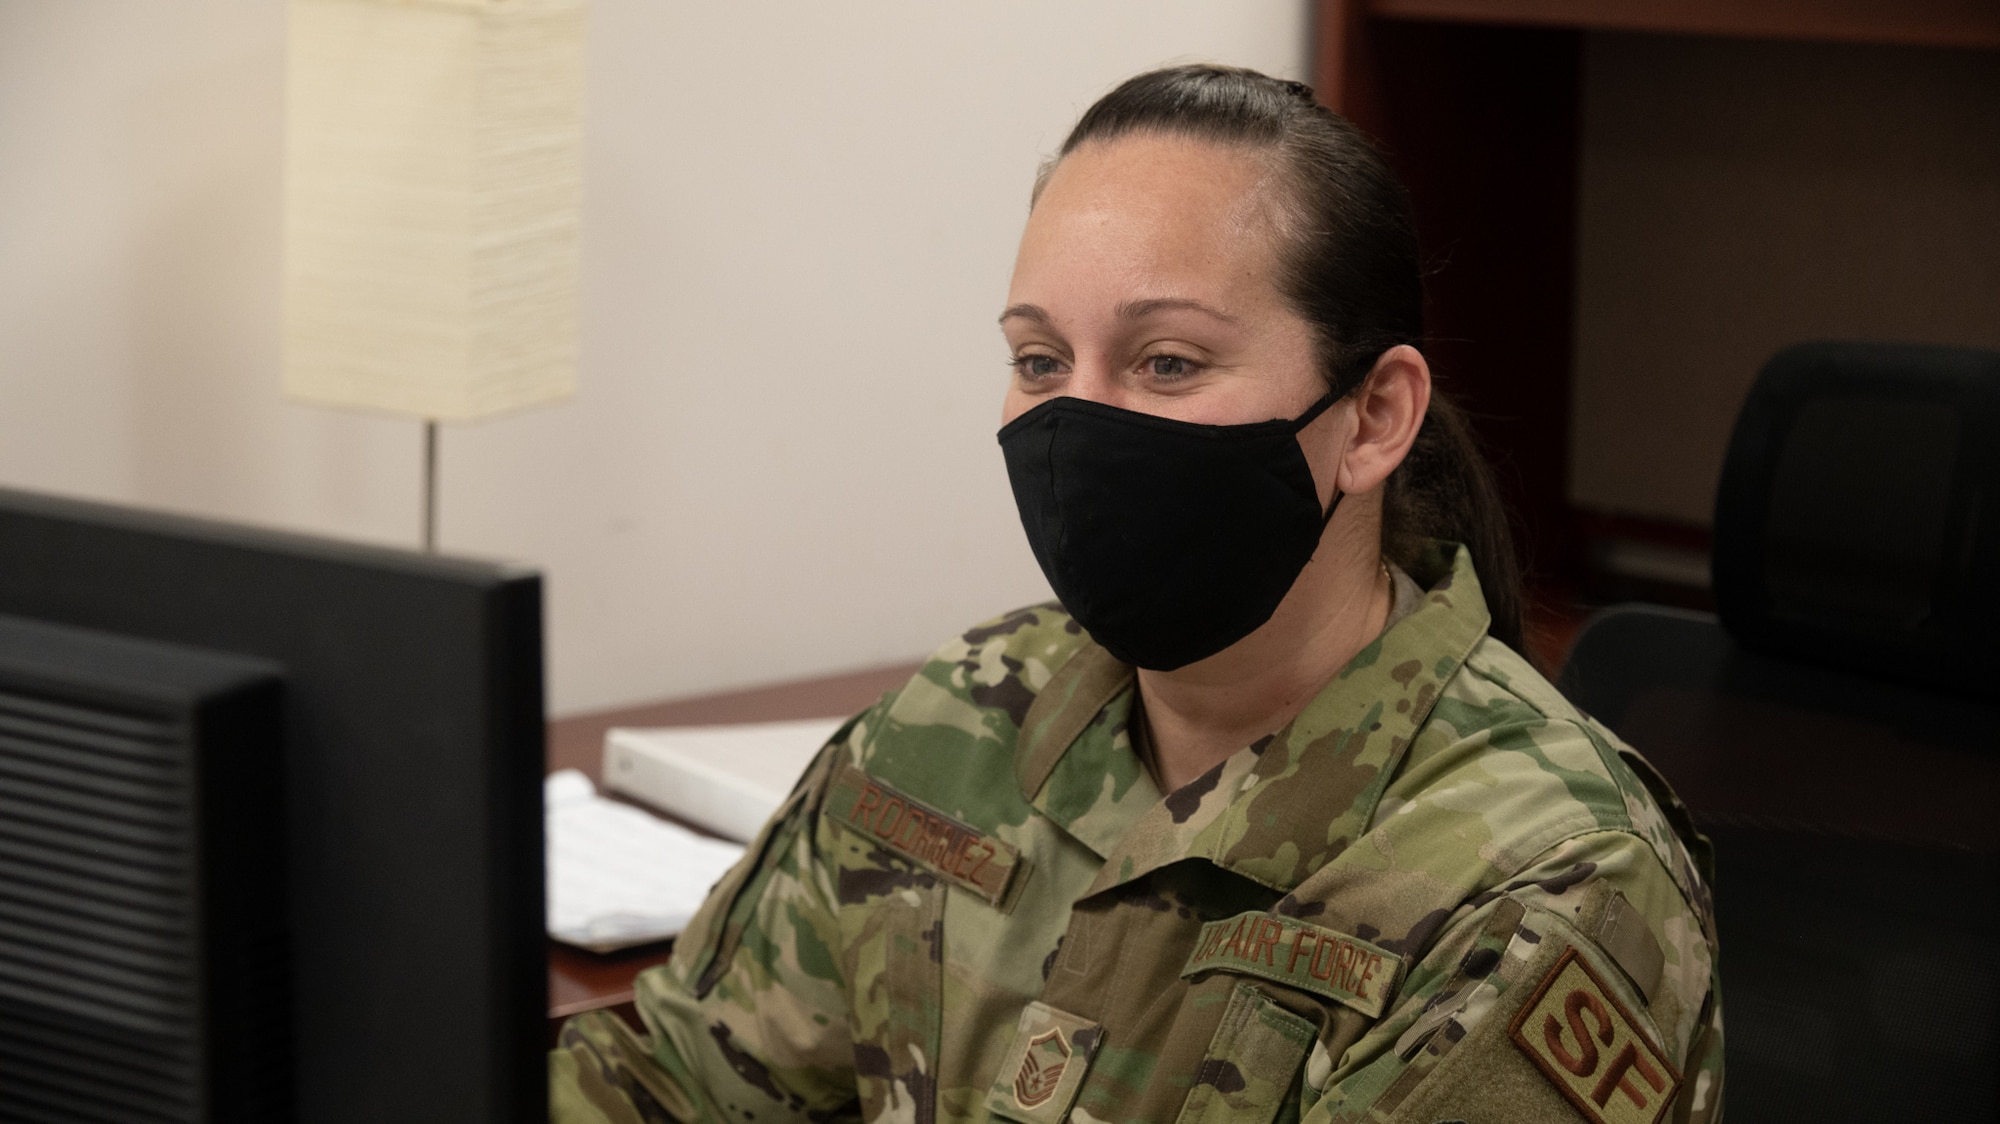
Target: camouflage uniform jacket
column 1439, row 893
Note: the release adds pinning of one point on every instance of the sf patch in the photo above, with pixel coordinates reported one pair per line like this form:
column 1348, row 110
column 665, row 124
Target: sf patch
column 1288, row 951
column 1591, row 1049
column 956, row 852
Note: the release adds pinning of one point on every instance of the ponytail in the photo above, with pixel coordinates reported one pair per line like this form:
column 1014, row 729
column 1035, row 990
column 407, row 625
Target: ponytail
column 1445, row 489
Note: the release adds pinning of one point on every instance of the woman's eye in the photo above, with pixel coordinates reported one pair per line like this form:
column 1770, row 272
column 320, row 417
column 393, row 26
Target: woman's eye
column 1169, row 367
column 1037, row 366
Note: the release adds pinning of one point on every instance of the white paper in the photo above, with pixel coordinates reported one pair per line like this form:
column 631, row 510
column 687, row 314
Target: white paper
column 618, row 875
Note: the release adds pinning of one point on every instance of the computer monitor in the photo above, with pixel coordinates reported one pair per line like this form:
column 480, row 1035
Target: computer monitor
column 342, row 749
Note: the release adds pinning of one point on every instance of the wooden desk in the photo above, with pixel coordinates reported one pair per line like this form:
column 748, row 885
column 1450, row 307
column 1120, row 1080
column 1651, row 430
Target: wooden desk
column 584, row 981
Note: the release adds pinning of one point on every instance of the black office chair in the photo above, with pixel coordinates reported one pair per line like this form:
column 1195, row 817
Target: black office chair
column 1836, row 732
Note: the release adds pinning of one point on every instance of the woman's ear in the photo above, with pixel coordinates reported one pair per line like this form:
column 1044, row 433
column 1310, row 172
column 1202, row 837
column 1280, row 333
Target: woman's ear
column 1388, row 410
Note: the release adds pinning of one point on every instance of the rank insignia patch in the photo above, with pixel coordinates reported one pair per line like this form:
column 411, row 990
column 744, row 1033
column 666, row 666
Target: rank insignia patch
column 1044, row 1067
column 1041, row 1068
column 1591, row 1049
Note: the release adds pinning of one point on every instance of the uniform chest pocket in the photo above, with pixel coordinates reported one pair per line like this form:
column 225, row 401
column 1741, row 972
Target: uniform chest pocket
column 1251, row 1068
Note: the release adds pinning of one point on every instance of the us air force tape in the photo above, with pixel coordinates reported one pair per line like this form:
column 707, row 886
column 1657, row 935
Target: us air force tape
column 1288, row 951
column 956, row 852
column 1591, row 1049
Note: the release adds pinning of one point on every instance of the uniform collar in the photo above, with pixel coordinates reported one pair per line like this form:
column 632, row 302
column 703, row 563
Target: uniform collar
column 1275, row 811
column 1075, row 759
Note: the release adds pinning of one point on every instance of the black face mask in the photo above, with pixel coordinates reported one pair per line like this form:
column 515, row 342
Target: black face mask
column 1168, row 541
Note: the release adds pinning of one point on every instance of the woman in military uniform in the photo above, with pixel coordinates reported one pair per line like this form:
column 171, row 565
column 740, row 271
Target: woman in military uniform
column 1268, row 818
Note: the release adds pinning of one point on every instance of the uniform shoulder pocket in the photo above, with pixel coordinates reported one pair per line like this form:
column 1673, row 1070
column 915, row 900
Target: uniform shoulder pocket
column 1553, row 1032
column 716, row 930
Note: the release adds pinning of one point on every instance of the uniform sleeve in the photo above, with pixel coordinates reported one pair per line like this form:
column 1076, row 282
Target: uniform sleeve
column 747, row 1021
column 1578, row 991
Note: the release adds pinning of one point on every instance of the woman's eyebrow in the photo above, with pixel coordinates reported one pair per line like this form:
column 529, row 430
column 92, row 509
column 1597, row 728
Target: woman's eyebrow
column 1135, row 310
column 1130, row 310
column 1026, row 312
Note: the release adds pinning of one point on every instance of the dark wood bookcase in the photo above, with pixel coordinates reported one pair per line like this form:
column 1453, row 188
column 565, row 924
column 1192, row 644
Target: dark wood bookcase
column 1477, row 103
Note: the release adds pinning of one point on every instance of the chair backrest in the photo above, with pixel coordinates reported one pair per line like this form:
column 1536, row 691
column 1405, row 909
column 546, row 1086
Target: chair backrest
column 1858, row 520
column 1836, row 732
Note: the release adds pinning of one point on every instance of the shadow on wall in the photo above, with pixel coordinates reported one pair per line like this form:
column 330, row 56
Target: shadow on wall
column 206, row 161
column 210, row 430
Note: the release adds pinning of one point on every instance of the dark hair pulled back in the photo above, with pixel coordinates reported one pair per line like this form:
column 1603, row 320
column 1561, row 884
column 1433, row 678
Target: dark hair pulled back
column 1348, row 263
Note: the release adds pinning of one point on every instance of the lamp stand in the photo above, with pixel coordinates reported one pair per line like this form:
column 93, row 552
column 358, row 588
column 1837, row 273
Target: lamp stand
column 430, row 485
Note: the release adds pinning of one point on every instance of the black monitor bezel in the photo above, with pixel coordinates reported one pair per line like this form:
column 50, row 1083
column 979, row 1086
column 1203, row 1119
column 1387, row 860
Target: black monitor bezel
column 415, row 847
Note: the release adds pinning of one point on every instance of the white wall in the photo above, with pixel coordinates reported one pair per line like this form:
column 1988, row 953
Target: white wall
column 800, row 218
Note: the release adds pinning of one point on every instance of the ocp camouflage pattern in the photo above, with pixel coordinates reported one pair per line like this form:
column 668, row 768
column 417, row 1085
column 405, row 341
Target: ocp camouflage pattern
column 1438, row 802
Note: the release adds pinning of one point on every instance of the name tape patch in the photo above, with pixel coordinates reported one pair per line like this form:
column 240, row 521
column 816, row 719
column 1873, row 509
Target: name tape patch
column 954, row 851
column 1590, row 1048
column 1285, row 950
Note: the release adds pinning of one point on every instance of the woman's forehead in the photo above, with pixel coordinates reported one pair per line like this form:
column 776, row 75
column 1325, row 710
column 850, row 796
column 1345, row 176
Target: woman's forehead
column 1154, row 207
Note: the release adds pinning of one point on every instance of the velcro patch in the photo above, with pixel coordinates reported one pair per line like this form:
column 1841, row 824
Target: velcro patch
column 954, row 851
column 1044, row 1067
column 1591, row 1049
column 1288, row 951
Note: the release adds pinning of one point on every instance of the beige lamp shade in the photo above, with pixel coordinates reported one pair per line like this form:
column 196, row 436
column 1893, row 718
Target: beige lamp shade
column 433, row 177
